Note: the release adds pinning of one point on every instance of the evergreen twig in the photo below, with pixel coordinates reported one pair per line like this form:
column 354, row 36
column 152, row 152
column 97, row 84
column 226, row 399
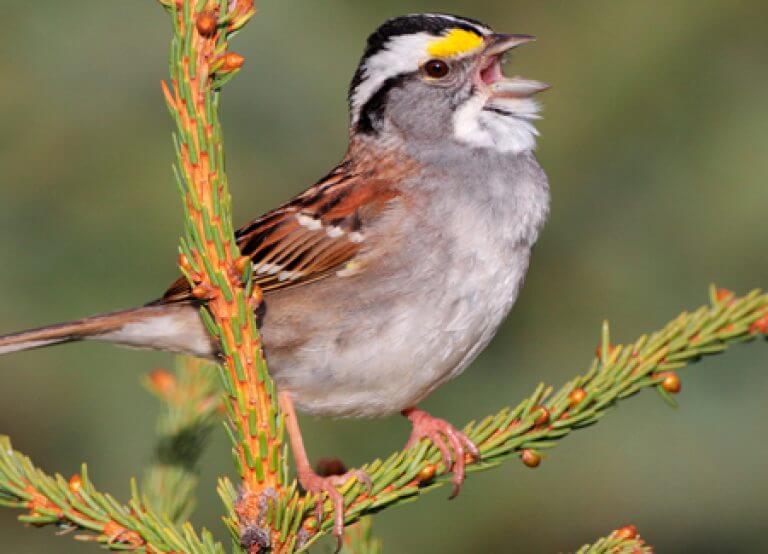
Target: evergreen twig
column 210, row 259
column 539, row 422
column 191, row 402
column 75, row 505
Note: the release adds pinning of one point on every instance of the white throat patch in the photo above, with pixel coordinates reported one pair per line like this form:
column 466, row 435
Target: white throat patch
column 505, row 126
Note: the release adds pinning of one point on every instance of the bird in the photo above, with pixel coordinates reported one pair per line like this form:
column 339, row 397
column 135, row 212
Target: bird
column 387, row 277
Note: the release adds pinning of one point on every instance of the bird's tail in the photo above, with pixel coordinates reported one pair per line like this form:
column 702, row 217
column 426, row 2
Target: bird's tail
column 174, row 327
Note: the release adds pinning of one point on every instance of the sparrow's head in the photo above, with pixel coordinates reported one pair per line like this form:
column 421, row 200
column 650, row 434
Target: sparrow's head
column 436, row 77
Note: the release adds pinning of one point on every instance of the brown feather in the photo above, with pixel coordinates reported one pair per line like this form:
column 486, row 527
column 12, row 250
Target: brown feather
column 311, row 236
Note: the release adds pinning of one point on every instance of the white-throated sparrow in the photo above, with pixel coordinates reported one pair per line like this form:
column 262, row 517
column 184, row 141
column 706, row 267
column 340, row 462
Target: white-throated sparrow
column 387, row 277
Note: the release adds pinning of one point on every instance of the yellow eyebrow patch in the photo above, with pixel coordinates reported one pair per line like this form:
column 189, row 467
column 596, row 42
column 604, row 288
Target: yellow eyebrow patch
column 457, row 41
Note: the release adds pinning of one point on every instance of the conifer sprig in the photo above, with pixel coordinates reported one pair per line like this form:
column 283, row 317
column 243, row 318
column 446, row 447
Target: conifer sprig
column 75, row 505
column 200, row 64
column 540, row 421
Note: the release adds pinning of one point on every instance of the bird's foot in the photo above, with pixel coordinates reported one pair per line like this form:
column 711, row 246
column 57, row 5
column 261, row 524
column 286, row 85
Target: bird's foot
column 439, row 431
column 320, row 485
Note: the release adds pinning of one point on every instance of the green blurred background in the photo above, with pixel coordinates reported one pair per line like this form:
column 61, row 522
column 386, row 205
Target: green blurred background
column 654, row 137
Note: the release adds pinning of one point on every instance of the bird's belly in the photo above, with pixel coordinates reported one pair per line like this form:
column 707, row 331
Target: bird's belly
column 401, row 348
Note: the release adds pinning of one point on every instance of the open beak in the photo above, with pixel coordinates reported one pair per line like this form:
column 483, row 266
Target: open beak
column 490, row 75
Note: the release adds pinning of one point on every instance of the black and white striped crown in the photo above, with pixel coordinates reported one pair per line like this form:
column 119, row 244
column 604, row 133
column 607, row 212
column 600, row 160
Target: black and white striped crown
column 396, row 47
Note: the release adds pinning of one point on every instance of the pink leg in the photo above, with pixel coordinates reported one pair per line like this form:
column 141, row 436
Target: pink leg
column 311, row 481
column 438, row 431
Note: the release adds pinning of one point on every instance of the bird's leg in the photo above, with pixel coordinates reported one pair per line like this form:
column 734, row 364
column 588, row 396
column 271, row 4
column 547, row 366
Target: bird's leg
column 439, row 431
column 311, row 481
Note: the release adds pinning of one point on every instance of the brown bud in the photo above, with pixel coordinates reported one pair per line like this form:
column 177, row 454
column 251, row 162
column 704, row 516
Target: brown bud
column 427, row 472
column 206, row 24
column 671, row 382
column 232, row 61
column 310, row 524
column 760, row 326
column 241, row 263
column 75, row 482
column 627, row 533
column 162, row 381
column 530, row 458
column 724, row 295
column 200, row 292
column 576, row 397
column 543, row 416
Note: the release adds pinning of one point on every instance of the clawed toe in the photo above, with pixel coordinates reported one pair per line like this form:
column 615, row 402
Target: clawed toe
column 314, row 483
column 452, row 443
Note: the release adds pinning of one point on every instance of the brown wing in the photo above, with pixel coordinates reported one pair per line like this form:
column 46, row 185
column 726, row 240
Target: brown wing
column 312, row 235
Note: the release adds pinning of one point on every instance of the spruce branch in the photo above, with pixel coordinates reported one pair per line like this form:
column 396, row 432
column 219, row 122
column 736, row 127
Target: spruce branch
column 191, row 403
column 200, row 65
column 541, row 420
column 75, row 505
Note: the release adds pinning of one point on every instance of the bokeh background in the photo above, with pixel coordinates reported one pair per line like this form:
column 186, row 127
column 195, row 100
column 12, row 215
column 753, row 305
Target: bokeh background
column 654, row 137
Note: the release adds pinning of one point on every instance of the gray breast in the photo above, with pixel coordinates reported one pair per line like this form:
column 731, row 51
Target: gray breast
column 455, row 258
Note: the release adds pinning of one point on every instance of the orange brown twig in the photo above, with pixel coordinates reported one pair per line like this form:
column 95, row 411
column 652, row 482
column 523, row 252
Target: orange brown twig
column 219, row 276
column 76, row 505
column 44, row 510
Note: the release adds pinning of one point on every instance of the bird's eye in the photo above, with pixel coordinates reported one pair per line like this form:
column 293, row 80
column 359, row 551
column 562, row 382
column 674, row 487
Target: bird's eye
column 437, row 69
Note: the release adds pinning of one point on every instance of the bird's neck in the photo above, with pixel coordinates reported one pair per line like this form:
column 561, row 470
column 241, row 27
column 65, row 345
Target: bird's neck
column 476, row 130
